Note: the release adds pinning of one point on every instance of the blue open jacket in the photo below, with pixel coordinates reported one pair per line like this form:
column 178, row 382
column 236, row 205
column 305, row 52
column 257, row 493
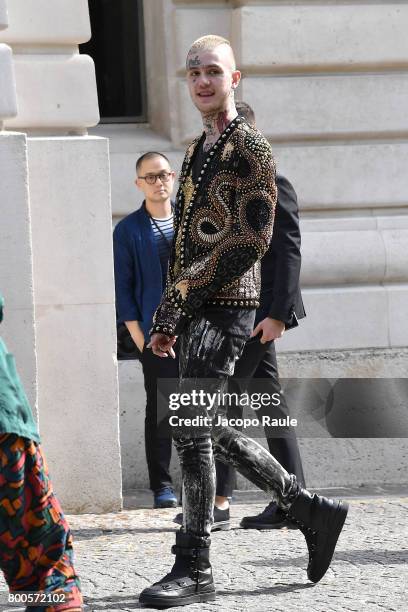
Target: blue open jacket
column 138, row 273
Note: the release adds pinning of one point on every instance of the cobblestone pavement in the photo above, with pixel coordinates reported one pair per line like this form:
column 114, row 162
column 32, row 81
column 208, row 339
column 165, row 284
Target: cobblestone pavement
column 117, row 555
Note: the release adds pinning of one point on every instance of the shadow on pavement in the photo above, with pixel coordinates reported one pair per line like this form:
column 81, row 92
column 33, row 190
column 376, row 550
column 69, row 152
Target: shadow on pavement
column 366, row 557
column 130, row 601
column 274, row 590
column 90, row 534
column 361, row 557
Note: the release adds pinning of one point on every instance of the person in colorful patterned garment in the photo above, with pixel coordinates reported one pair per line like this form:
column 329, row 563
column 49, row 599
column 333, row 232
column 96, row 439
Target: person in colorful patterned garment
column 36, row 554
column 223, row 226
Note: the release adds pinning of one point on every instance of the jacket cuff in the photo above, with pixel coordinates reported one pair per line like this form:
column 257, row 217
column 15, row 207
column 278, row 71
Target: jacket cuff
column 129, row 317
column 127, row 311
column 169, row 319
column 286, row 316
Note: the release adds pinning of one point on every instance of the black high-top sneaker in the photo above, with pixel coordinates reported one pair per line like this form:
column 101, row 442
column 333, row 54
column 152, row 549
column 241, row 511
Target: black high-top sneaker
column 271, row 517
column 190, row 579
column 320, row 520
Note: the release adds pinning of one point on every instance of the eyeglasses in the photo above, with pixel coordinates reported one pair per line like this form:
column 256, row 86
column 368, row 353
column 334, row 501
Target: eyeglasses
column 152, row 178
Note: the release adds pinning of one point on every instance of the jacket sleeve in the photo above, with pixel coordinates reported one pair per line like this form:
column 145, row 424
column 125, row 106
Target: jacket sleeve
column 126, row 306
column 285, row 249
column 248, row 224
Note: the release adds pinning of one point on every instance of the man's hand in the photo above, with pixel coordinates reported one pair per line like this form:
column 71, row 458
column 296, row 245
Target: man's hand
column 162, row 345
column 270, row 328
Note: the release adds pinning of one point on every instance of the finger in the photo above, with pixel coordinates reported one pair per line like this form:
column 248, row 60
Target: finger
column 172, row 353
column 159, row 353
column 256, row 330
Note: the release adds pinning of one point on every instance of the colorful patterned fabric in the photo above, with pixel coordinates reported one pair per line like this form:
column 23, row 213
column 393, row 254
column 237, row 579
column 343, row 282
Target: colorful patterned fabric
column 35, row 541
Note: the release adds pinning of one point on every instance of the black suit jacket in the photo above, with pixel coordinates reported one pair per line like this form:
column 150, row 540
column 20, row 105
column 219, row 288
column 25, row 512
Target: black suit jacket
column 280, row 267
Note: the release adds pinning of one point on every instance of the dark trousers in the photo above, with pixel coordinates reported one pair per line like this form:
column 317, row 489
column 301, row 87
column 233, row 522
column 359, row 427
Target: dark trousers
column 208, row 352
column 158, row 439
column 258, row 361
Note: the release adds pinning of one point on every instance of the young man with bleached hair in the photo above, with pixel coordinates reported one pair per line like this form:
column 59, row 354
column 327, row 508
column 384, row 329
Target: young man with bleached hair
column 280, row 308
column 224, row 219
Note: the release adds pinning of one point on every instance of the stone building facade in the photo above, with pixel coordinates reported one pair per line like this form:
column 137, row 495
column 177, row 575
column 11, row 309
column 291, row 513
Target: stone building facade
column 329, row 85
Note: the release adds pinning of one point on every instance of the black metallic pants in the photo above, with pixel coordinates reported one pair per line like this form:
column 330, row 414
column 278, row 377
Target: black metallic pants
column 207, row 352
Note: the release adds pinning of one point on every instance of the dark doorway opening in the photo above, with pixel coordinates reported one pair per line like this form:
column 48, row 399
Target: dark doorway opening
column 117, row 48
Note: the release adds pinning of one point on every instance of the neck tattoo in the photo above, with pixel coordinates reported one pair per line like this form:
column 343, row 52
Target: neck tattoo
column 214, row 125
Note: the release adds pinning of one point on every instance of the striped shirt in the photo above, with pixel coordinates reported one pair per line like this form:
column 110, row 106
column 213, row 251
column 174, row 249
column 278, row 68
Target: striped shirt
column 163, row 243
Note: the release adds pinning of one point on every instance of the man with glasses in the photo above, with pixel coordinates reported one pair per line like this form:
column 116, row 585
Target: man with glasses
column 142, row 243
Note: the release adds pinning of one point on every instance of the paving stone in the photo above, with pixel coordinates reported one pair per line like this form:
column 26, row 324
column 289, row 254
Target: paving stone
column 117, row 555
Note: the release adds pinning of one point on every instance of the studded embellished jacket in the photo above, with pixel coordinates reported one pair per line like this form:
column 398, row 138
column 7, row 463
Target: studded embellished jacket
column 223, row 226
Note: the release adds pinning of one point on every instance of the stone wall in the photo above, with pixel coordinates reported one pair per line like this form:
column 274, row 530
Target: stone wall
column 329, row 85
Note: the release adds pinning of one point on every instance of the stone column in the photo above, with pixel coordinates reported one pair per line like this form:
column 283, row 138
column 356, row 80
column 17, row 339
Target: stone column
column 69, row 186
column 16, row 271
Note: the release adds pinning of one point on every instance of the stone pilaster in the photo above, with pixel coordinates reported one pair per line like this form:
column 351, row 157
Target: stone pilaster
column 16, row 269
column 56, row 87
column 69, row 189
